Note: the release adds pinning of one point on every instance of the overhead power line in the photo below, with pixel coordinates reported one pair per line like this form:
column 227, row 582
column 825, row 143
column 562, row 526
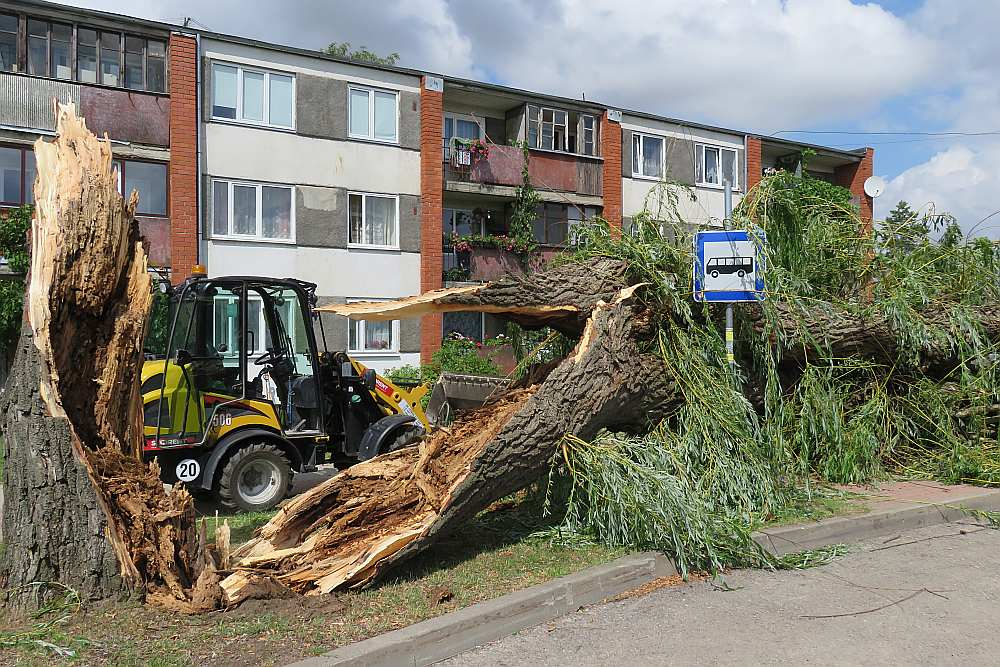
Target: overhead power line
column 984, row 133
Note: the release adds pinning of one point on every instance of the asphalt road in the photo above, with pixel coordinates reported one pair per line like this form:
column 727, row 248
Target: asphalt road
column 927, row 597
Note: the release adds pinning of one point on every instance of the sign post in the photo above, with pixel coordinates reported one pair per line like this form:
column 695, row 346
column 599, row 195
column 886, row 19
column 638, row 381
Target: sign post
column 729, row 268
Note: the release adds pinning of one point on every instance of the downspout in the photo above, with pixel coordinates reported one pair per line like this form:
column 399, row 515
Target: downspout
column 197, row 147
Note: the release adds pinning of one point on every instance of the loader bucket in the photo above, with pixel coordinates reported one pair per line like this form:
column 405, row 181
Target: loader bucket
column 454, row 392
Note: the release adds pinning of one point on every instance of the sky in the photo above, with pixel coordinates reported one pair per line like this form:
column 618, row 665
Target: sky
column 915, row 79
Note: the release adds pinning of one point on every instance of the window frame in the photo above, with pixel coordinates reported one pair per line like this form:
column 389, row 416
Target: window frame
column 540, row 122
column 699, row 167
column 581, row 134
column 257, row 237
column 392, row 351
column 120, row 162
column 22, row 52
column 15, row 66
column 663, row 155
column 364, row 207
column 266, row 100
column 25, row 187
column 371, row 90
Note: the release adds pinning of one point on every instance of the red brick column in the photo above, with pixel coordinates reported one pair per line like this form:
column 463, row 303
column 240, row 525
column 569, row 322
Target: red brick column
column 611, row 173
column 431, row 205
column 852, row 177
column 183, row 180
column 755, row 161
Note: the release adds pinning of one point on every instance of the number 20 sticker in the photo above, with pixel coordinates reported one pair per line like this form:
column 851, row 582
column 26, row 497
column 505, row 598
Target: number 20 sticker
column 188, row 470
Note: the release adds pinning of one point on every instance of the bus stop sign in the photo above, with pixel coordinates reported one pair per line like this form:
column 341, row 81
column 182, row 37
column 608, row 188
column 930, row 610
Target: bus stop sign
column 729, row 266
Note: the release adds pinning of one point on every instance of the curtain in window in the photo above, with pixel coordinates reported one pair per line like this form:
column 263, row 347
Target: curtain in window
column 712, row 165
column 378, row 335
column 652, row 156
column 244, row 210
column 381, row 221
column 276, row 206
column 385, row 116
column 10, row 175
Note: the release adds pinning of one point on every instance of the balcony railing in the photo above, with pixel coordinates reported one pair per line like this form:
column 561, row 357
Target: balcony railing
column 548, row 170
column 485, row 264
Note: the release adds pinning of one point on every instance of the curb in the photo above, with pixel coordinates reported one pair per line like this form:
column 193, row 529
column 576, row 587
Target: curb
column 438, row 638
column 435, row 639
column 891, row 517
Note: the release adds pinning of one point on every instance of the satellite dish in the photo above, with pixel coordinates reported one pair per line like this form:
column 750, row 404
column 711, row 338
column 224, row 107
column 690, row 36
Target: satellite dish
column 874, row 186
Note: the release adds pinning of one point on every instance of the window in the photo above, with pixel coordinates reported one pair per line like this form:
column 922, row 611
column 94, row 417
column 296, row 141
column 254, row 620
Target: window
column 716, row 166
column 647, row 156
column 111, row 48
column 8, row 43
column 372, row 114
column 145, row 64
column 17, row 176
column 460, row 222
column 587, row 132
column 252, row 96
column 459, row 127
column 369, row 336
column 556, row 223
column 373, row 220
column 47, row 50
column 149, row 179
column 86, row 55
column 547, row 128
column 252, row 211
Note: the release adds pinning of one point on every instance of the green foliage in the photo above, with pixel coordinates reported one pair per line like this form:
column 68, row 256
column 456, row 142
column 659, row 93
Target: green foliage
column 344, row 50
column 720, row 464
column 524, row 210
column 159, row 322
column 14, row 226
column 456, row 355
column 513, row 243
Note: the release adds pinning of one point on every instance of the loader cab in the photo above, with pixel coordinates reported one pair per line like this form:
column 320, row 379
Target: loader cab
column 241, row 351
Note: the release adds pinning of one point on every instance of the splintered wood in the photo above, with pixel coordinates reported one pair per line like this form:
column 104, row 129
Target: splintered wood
column 337, row 534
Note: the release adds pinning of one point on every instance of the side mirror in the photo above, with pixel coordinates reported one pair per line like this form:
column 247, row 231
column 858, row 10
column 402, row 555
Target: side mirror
column 183, row 358
column 369, row 379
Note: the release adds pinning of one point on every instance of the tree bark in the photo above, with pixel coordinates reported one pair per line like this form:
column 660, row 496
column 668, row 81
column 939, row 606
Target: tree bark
column 53, row 526
column 78, row 497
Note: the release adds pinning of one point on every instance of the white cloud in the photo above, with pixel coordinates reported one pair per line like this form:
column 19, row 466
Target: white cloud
column 762, row 64
column 960, row 180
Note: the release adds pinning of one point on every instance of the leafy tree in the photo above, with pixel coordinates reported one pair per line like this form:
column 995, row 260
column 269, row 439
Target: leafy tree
column 14, row 225
column 343, row 50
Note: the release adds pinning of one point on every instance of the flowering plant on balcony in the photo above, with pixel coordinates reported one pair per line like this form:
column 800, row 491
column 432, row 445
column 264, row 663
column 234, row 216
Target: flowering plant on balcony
column 517, row 245
column 480, row 150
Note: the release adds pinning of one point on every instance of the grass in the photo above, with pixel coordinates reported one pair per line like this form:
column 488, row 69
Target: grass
column 502, row 550
column 818, row 503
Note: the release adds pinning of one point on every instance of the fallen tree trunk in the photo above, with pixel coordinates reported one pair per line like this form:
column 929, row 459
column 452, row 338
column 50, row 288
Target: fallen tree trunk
column 349, row 530
column 80, row 508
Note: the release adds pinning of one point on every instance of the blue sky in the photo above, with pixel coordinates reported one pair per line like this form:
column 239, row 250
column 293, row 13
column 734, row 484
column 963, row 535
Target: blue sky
column 761, row 65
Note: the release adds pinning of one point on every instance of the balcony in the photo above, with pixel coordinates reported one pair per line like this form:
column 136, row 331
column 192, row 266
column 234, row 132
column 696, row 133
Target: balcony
column 500, row 172
column 485, row 264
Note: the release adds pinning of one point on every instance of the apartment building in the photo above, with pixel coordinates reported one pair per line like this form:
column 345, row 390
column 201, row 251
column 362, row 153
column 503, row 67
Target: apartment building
column 132, row 80
column 311, row 169
column 259, row 159
column 568, row 146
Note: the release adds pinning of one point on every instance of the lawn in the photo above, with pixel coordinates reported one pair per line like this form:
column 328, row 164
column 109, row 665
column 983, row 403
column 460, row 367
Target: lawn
column 500, row 551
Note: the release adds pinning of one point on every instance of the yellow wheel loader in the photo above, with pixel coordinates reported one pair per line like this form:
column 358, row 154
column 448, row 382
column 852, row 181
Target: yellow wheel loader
column 244, row 399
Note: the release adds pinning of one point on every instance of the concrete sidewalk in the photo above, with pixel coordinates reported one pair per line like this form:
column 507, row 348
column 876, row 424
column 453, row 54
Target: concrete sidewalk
column 920, row 597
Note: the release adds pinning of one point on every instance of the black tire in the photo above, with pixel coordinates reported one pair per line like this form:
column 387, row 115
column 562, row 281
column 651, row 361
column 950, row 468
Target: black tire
column 715, row 274
column 740, row 273
column 256, row 478
column 406, row 436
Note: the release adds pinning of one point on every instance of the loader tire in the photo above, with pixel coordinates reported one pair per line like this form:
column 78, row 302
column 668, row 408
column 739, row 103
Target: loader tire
column 256, row 478
column 405, row 438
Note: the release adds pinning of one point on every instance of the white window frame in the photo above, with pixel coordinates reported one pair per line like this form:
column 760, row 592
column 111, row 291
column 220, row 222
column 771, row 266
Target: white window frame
column 663, row 155
column 581, row 134
column 360, row 336
column 257, row 237
column 364, row 207
column 240, row 120
column 700, row 166
column 371, row 114
column 540, row 122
